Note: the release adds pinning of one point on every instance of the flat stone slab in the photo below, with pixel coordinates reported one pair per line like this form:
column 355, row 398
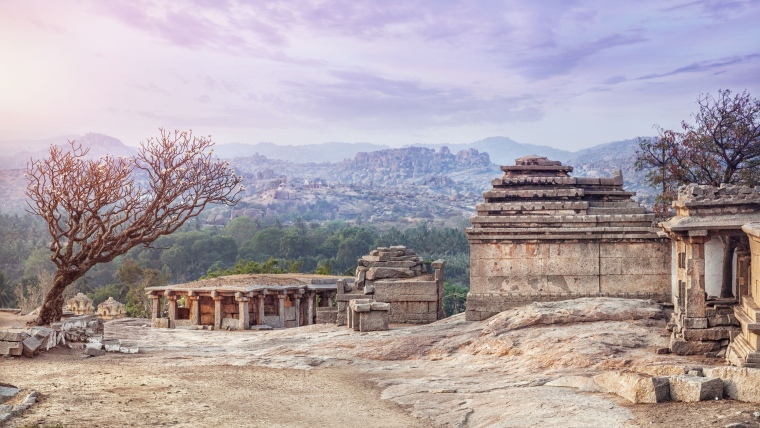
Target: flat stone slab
column 8, row 392
column 13, row 336
column 691, row 389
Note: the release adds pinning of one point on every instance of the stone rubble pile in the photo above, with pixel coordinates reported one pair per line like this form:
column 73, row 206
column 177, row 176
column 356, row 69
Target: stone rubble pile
column 701, row 192
column 387, row 263
column 397, row 276
column 85, row 330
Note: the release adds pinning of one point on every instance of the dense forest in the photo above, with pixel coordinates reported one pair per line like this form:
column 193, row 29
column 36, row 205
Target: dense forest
column 243, row 245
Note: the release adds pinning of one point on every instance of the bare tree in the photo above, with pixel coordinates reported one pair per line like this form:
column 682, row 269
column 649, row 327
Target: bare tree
column 722, row 146
column 97, row 209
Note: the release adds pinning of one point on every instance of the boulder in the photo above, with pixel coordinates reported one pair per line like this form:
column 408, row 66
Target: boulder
column 739, row 383
column 688, row 388
column 634, row 387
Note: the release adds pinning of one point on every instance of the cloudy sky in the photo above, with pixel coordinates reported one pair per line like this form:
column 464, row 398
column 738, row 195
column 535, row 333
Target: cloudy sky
column 564, row 73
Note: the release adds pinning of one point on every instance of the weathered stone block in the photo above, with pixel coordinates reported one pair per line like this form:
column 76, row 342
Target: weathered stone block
column 739, row 383
column 695, row 388
column 31, row 346
column 695, row 322
column 112, row 345
column 13, row 336
column 685, row 347
column 715, row 333
column 373, row 320
column 11, row 348
column 375, row 273
column 634, row 387
column 160, row 323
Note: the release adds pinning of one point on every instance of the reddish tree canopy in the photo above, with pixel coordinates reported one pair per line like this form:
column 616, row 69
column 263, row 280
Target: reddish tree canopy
column 97, row 209
column 722, row 146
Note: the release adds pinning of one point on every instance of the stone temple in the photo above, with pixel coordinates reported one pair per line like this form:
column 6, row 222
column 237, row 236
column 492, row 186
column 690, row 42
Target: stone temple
column 542, row 235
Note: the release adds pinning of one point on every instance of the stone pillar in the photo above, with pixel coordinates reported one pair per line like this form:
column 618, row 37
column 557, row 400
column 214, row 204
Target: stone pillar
column 743, row 257
column 297, row 303
column 243, row 314
column 695, row 274
column 172, row 298
column 195, row 308
column 312, row 296
column 281, row 310
column 260, row 312
column 438, row 267
column 155, row 307
column 217, row 309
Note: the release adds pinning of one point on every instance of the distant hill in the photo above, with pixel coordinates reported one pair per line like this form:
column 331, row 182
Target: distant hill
column 325, row 152
column 16, row 154
column 504, row 150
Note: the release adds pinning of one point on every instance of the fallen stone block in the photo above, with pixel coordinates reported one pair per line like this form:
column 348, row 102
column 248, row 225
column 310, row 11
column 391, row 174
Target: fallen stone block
column 93, row 345
column 13, row 336
column 11, row 348
column 112, row 345
column 47, row 336
column 739, row 383
column 634, row 387
column 94, row 352
column 31, row 346
column 128, row 347
column 691, row 389
column 384, row 273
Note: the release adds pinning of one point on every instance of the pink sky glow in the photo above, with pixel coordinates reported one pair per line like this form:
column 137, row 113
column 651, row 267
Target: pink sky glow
column 569, row 74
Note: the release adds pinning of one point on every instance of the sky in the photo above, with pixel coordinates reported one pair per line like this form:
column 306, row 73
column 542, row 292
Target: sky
column 564, row 73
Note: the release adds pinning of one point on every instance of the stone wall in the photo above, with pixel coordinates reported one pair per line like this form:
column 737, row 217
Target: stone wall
column 541, row 235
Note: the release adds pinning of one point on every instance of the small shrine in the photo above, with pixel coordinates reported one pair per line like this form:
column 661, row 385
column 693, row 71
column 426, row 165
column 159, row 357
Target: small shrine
column 111, row 309
column 80, row 305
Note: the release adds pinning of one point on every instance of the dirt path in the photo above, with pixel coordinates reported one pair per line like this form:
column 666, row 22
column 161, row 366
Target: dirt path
column 121, row 390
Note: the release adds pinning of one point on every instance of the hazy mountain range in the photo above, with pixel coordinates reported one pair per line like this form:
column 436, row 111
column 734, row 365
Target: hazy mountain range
column 463, row 169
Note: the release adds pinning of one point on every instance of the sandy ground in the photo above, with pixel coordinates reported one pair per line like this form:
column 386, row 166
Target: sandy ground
column 449, row 373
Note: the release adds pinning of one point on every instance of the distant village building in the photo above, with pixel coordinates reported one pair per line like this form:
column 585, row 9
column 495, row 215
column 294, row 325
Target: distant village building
column 542, row 235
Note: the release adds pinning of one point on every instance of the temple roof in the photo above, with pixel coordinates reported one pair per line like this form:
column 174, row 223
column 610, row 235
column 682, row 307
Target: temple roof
column 537, row 196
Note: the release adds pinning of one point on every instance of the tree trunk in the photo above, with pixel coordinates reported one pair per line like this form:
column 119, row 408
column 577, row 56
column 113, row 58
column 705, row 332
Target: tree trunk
column 52, row 307
column 727, row 284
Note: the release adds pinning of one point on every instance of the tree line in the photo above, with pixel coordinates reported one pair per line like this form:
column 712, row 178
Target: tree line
column 244, row 245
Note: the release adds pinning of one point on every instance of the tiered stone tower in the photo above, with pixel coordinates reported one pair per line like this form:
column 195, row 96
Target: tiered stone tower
column 542, row 235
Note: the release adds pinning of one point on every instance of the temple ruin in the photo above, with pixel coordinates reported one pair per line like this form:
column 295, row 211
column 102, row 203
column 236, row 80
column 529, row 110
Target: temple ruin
column 744, row 350
column 711, row 266
column 543, row 235
column 394, row 282
column 238, row 302
column 398, row 276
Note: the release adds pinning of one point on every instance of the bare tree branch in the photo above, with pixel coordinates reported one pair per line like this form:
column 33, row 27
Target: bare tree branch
column 97, row 209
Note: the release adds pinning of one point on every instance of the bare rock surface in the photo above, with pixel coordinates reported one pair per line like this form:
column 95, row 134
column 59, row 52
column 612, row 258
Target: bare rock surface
column 505, row 372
